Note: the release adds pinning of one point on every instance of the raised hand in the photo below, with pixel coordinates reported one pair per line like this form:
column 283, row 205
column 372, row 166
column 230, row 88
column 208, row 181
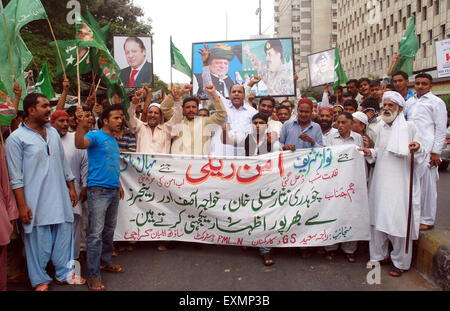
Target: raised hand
column 186, row 89
column 66, row 85
column 139, row 94
column 176, row 94
column 205, row 54
column 254, row 80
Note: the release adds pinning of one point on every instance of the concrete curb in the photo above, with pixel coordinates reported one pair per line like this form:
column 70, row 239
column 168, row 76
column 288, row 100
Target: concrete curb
column 433, row 256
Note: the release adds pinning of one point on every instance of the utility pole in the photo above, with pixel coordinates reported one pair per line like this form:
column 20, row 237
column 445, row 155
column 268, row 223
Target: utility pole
column 226, row 25
column 259, row 11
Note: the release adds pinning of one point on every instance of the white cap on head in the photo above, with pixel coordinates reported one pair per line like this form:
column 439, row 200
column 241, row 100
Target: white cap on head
column 154, row 105
column 361, row 116
column 395, row 97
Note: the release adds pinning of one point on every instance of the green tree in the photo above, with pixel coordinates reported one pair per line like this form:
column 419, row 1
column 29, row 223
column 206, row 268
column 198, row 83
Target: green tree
column 159, row 85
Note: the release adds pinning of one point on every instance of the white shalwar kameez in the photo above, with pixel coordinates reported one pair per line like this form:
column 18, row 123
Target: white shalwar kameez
column 429, row 114
column 389, row 191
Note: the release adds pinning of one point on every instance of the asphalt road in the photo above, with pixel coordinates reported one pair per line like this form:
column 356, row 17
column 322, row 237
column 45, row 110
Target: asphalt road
column 202, row 267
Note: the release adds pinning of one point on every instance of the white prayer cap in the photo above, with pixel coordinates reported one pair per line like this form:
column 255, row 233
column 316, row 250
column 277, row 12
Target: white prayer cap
column 361, row 116
column 154, row 105
column 396, row 97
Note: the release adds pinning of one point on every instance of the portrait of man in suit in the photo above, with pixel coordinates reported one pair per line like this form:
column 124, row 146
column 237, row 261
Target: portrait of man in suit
column 139, row 70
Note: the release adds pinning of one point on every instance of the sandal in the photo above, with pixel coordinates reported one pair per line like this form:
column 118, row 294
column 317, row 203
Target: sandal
column 330, row 255
column 396, row 272
column 41, row 288
column 112, row 268
column 350, row 258
column 161, row 248
column 74, row 280
column 424, row 227
column 95, row 284
column 267, row 259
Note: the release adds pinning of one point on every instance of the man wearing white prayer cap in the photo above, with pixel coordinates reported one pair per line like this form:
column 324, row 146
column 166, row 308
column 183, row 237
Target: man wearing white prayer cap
column 154, row 136
column 429, row 114
column 359, row 125
column 389, row 189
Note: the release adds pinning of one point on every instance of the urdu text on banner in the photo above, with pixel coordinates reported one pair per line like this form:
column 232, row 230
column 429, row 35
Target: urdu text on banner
column 311, row 197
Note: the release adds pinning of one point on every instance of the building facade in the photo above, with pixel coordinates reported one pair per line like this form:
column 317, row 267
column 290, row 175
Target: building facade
column 369, row 33
column 313, row 26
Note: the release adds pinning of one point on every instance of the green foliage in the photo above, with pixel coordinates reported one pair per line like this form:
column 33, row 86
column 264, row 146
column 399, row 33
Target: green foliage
column 159, row 85
column 124, row 16
column 446, row 99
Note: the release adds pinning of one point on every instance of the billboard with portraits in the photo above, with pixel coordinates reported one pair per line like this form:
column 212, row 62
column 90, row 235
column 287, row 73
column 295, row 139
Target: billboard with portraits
column 225, row 63
column 134, row 57
column 321, row 68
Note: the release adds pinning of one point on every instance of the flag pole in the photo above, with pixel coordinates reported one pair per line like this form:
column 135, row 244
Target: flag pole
column 57, row 49
column 408, row 229
column 92, row 84
column 98, row 84
column 7, row 38
column 171, row 61
column 78, row 78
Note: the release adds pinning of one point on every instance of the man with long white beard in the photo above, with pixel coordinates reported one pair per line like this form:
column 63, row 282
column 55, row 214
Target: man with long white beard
column 389, row 190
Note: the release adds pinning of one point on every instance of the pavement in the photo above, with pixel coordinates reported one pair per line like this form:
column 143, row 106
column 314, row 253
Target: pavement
column 432, row 259
column 203, row 267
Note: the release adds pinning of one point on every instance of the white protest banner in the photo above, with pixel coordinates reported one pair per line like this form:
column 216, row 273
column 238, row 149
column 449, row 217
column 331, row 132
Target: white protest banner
column 443, row 58
column 311, row 197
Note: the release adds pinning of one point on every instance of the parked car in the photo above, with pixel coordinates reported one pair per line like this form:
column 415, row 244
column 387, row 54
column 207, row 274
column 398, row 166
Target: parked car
column 445, row 155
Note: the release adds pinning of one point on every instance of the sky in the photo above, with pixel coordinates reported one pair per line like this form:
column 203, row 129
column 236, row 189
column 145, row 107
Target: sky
column 189, row 21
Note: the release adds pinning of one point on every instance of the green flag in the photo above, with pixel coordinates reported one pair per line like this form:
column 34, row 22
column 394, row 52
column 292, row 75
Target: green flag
column 7, row 110
column 43, row 84
column 103, row 31
column 68, row 50
column 409, row 45
column 90, row 35
column 339, row 74
column 177, row 60
column 103, row 62
column 17, row 13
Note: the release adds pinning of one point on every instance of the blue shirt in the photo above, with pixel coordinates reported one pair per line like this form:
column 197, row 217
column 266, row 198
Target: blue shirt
column 40, row 167
column 104, row 160
column 409, row 94
column 291, row 131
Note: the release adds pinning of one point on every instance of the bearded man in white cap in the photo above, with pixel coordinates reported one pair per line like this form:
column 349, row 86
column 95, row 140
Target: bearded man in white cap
column 389, row 189
column 154, row 136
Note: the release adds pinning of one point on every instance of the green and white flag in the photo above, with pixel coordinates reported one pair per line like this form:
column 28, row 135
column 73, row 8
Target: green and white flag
column 17, row 13
column 43, row 84
column 68, row 50
column 409, row 45
column 177, row 60
column 91, row 36
column 339, row 74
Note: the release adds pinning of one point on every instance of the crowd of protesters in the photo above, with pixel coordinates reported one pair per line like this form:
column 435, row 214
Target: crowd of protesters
column 60, row 167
